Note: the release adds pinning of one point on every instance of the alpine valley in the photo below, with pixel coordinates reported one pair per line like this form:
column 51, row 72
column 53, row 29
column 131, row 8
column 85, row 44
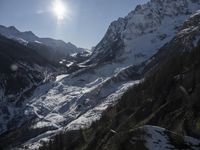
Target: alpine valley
column 139, row 88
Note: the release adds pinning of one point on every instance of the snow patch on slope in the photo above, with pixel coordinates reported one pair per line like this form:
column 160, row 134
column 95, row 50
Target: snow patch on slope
column 157, row 138
column 93, row 114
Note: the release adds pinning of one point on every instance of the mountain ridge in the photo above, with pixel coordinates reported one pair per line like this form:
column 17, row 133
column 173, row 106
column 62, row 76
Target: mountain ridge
column 29, row 38
column 145, row 18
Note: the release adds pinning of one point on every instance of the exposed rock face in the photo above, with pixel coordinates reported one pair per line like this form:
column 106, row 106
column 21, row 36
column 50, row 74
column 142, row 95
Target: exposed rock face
column 143, row 31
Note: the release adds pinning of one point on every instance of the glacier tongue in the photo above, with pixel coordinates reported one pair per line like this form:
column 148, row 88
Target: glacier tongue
column 62, row 102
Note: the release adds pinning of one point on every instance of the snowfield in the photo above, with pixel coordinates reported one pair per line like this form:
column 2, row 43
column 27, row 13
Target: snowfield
column 66, row 107
column 67, row 102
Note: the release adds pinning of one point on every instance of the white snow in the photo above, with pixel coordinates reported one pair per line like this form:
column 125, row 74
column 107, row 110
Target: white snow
column 74, row 55
column 158, row 138
column 93, row 114
column 144, row 31
column 156, row 134
column 38, row 42
column 60, row 77
column 69, row 64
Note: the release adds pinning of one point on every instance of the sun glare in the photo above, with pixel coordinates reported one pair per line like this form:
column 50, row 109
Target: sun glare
column 60, row 9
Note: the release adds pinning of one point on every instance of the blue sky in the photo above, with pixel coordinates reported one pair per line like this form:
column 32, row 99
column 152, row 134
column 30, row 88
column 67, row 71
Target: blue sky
column 85, row 25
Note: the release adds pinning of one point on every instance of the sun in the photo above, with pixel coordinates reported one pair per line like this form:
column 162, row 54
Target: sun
column 60, row 9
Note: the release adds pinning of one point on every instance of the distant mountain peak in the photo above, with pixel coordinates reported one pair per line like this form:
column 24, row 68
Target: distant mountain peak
column 12, row 28
column 29, row 32
column 26, row 37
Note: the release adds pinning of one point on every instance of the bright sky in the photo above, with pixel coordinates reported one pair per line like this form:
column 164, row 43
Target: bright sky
column 82, row 22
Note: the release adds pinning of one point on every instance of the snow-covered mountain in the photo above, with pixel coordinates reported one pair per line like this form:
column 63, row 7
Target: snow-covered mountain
column 142, row 32
column 168, row 97
column 54, row 47
column 118, row 62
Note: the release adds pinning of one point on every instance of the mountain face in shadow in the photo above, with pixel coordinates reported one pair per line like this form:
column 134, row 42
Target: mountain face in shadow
column 51, row 49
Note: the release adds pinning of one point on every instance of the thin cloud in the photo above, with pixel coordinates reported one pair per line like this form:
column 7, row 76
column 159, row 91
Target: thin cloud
column 40, row 12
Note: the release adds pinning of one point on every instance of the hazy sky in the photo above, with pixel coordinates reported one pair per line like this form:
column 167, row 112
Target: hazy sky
column 84, row 25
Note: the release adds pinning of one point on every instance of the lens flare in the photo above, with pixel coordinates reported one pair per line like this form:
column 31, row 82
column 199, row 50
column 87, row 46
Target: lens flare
column 60, row 9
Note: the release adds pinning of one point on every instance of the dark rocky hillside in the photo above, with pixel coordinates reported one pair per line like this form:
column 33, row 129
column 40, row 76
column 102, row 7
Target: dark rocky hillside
column 21, row 66
column 22, row 70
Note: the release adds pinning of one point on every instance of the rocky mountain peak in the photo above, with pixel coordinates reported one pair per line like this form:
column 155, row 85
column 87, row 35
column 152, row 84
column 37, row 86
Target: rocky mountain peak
column 155, row 22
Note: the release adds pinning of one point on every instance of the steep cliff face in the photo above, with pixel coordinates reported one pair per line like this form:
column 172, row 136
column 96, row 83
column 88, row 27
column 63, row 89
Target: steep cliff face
column 143, row 31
